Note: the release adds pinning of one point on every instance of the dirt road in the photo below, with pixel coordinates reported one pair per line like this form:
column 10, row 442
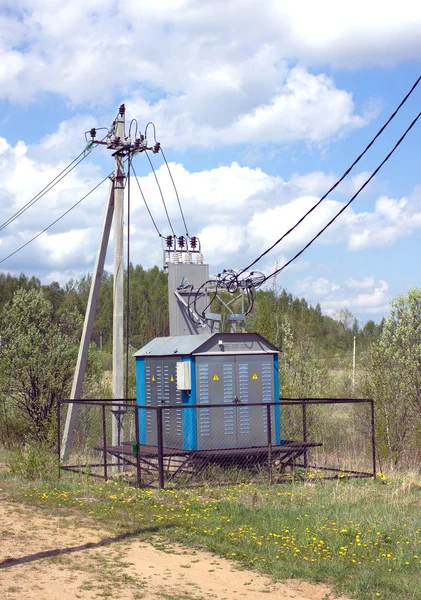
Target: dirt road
column 57, row 558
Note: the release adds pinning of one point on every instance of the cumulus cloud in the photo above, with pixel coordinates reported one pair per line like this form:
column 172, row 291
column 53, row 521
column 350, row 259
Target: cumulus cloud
column 391, row 220
column 366, row 283
column 365, row 296
column 226, row 73
column 374, row 302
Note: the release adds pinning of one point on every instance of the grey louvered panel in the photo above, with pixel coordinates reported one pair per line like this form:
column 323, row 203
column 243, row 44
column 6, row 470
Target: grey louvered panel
column 204, row 416
column 178, row 414
column 229, row 393
column 159, row 386
column 166, row 399
column 243, row 411
column 267, row 393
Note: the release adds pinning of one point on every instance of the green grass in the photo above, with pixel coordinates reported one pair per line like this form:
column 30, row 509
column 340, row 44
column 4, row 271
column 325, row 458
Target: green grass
column 4, row 455
column 361, row 537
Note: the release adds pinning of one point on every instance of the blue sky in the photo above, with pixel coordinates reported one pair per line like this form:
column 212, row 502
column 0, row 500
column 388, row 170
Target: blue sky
column 259, row 108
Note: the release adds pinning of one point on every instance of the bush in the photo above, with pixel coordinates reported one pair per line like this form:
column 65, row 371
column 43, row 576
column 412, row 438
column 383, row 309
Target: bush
column 33, row 462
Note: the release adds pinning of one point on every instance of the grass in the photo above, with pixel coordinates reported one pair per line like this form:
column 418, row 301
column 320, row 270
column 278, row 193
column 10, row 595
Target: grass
column 361, row 537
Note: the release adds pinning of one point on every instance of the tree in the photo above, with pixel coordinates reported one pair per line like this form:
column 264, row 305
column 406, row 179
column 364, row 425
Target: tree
column 38, row 357
column 396, row 378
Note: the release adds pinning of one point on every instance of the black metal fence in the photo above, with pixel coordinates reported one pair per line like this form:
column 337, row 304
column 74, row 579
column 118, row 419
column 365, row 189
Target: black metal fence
column 222, row 443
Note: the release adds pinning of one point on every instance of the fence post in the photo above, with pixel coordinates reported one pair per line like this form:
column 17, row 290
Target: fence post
column 160, row 447
column 138, row 470
column 104, row 442
column 59, row 437
column 269, row 427
column 373, row 438
column 304, row 406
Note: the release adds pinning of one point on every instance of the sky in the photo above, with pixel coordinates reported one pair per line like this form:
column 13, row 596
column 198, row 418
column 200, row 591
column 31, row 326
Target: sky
column 259, row 107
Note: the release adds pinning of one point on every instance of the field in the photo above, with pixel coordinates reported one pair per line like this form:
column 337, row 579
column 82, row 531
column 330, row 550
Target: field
column 360, row 539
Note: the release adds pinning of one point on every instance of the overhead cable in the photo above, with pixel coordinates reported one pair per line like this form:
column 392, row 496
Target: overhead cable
column 176, row 192
column 335, row 185
column 144, row 200
column 159, row 148
column 56, row 220
column 160, row 191
column 367, row 181
column 48, row 187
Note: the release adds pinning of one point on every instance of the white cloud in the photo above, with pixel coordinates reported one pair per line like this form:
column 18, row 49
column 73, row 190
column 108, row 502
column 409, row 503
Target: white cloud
column 376, row 301
column 391, row 220
column 366, row 283
column 333, row 297
column 230, row 72
column 323, row 286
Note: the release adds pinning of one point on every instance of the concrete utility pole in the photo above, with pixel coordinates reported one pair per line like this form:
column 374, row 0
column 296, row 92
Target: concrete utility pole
column 88, row 325
column 353, row 364
column 118, row 290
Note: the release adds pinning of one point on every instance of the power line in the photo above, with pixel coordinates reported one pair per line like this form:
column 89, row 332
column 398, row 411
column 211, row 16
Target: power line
column 335, row 185
column 398, row 143
column 47, row 188
column 160, row 191
column 57, row 220
column 176, row 192
column 144, row 200
column 158, row 148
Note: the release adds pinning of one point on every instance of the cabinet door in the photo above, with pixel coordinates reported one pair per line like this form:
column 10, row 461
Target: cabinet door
column 153, row 388
column 171, row 396
column 216, row 427
column 254, row 382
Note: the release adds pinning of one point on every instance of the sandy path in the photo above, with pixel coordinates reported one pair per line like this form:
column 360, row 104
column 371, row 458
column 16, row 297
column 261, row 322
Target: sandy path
column 50, row 558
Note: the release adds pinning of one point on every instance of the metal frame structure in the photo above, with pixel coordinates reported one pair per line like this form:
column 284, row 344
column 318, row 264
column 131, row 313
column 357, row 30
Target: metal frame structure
column 275, row 458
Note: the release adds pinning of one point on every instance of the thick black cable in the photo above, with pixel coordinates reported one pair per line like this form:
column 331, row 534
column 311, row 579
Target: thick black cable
column 176, row 192
column 367, row 181
column 335, row 185
column 160, row 191
column 47, row 188
column 144, row 200
column 57, row 220
column 129, row 160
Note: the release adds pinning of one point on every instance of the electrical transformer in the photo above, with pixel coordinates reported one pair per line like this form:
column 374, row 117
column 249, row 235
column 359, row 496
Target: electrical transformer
column 205, row 370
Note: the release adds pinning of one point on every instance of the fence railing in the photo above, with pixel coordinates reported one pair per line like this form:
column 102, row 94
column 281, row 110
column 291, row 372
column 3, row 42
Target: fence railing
column 225, row 442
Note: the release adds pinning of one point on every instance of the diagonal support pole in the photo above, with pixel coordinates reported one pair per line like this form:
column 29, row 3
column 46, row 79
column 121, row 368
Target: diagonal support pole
column 88, row 325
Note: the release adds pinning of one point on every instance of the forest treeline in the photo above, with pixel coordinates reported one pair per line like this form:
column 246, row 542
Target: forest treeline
column 40, row 328
column 333, row 337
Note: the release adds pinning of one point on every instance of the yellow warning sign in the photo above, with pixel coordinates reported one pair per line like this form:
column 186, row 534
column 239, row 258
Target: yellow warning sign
column 153, row 377
column 172, row 378
column 215, row 377
column 255, row 376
